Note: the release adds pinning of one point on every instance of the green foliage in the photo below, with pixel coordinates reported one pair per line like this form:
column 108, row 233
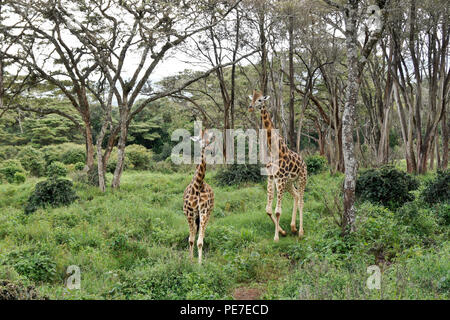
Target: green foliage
column 36, row 265
column 438, row 189
column 166, row 151
column 32, row 160
column 173, row 278
column 52, row 129
column 73, row 156
column 387, row 186
column 132, row 244
column 139, row 156
column 9, row 168
column 54, row 192
column 8, row 152
column 68, row 152
column 378, row 230
column 79, row 166
column 56, row 169
column 315, row 164
column 19, row 177
column 420, row 220
column 239, row 173
column 112, row 162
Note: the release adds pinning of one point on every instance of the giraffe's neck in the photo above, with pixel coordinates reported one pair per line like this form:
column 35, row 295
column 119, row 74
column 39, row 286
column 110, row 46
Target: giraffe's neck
column 268, row 125
column 200, row 171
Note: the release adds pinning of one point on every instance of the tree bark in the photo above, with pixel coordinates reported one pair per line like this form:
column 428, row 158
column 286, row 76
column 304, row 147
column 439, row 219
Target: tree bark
column 291, row 83
column 348, row 116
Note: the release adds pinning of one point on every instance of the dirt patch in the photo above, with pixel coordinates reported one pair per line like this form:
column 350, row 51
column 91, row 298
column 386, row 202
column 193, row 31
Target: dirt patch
column 244, row 293
column 14, row 291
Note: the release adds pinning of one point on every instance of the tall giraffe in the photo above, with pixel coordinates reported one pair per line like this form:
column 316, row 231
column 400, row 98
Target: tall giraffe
column 199, row 198
column 288, row 169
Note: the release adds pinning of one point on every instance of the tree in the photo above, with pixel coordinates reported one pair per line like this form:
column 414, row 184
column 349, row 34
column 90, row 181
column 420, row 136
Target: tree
column 355, row 65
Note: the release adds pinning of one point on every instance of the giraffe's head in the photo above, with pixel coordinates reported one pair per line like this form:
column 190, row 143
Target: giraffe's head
column 257, row 100
column 206, row 139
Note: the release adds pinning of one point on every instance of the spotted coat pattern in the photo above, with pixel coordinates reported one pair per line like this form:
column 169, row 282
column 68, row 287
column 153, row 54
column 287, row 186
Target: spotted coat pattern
column 287, row 172
column 198, row 204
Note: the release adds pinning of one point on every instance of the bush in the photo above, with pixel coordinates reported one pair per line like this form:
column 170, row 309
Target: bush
column 9, row 168
column 79, row 166
column 32, row 160
column 139, row 156
column 54, row 192
column 420, row 220
column 387, row 186
column 239, row 173
column 19, row 177
column 154, row 278
column 73, row 156
column 8, row 152
column 378, row 230
column 69, row 153
column 315, row 164
column 438, row 189
column 56, row 169
column 112, row 162
column 36, row 265
column 165, row 153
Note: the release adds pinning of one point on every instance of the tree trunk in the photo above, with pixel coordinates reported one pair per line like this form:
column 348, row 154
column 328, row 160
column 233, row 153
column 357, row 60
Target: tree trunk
column 292, row 85
column 121, row 147
column 348, row 116
column 445, row 133
column 263, row 45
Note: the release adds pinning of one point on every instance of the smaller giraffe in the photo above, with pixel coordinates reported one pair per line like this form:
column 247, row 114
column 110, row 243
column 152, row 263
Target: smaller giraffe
column 199, row 198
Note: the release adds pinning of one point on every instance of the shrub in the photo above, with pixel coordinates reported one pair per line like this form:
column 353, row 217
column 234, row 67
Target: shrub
column 154, row 278
column 69, row 153
column 315, row 164
column 387, row 186
column 9, row 168
column 36, row 265
column 139, row 156
column 442, row 211
column 421, row 220
column 8, row 152
column 239, row 173
column 165, row 153
column 73, row 156
column 438, row 189
column 19, row 177
column 378, row 230
column 112, row 162
column 56, row 169
column 79, row 166
column 51, row 153
column 54, row 192
column 32, row 160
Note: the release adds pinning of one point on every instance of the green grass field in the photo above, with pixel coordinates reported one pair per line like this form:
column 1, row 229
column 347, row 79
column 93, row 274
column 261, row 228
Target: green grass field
column 132, row 244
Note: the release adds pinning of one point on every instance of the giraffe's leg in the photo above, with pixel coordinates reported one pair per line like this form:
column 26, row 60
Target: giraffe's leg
column 204, row 217
column 270, row 184
column 301, row 192
column 280, row 191
column 192, row 234
column 295, row 195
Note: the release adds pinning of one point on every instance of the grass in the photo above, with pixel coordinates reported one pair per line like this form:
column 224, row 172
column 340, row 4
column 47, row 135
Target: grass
column 132, row 244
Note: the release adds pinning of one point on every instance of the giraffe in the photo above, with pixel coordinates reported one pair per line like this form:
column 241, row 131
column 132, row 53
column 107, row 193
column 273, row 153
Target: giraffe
column 284, row 172
column 199, row 198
